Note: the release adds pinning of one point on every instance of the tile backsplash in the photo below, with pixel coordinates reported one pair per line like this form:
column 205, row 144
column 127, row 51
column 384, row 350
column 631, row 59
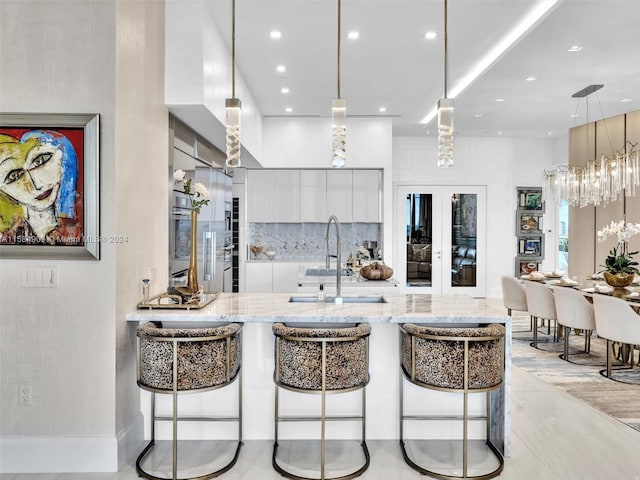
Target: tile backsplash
column 306, row 241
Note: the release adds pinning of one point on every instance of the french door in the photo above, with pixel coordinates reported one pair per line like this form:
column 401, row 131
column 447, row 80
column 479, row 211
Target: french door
column 441, row 239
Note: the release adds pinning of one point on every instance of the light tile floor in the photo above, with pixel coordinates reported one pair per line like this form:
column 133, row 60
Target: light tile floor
column 554, row 437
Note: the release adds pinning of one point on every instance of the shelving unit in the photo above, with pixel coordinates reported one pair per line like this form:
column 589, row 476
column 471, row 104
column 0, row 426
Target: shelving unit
column 529, row 233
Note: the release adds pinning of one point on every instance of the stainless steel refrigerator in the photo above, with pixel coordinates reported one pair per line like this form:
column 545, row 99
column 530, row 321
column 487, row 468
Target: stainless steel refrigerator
column 214, row 225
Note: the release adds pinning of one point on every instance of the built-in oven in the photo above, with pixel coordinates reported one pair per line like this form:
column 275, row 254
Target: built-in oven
column 180, row 237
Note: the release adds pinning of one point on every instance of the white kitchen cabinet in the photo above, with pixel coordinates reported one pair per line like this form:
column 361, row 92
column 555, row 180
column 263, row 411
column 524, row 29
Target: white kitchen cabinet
column 366, row 196
column 313, row 196
column 340, row 195
column 258, row 277
column 260, row 196
column 286, row 196
column 285, row 277
column 305, row 196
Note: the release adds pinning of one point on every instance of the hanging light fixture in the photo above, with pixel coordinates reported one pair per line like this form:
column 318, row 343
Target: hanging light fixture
column 233, row 105
column 339, row 117
column 599, row 181
column 445, row 111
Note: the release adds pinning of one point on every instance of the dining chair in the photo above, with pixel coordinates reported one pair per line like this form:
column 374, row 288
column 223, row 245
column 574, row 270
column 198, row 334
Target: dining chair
column 574, row 311
column 616, row 321
column 514, row 297
column 541, row 305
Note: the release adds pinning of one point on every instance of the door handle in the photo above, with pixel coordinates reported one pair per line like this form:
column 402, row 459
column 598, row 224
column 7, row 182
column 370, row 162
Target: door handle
column 206, row 238
column 213, row 255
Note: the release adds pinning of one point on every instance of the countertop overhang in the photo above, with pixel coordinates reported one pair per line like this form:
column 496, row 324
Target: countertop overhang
column 275, row 307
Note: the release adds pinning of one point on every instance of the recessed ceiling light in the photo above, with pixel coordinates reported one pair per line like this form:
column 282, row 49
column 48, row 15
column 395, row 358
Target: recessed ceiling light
column 353, row 35
column 382, row 109
column 575, row 48
column 427, row 132
column 499, row 132
column 573, row 115
column 430, row 35
column 500, row 99
column 625, row 100
column 288, row 109
column 275, row 34
column 549, row 133
column 284, row 90
column 477, row 115
column 531, row 79
column 510, row 38
column 281, row 69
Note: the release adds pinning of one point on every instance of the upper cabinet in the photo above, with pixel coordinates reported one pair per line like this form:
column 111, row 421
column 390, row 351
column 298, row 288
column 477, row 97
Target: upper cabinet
column 294, row 196
column 313, row 196
column 340, row 194
column 273, row 196
column 286, row 196
column 367, row 196
column 260, row 196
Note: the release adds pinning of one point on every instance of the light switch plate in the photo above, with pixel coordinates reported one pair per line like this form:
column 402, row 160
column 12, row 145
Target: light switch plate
column 39, row 277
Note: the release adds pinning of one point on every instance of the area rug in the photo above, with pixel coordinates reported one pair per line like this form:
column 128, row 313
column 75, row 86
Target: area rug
column 581, row 379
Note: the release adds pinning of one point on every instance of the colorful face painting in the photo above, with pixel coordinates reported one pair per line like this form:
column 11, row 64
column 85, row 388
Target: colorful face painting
column 41, row 187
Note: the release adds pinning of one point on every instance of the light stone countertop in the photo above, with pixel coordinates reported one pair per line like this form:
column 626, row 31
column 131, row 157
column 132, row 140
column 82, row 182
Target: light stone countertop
column 275, row 307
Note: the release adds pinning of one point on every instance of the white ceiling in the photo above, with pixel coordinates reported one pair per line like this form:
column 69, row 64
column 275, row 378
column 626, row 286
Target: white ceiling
column 392, row 64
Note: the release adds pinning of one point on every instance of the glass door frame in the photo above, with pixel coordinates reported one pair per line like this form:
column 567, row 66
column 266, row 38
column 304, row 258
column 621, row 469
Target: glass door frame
column 441, row 278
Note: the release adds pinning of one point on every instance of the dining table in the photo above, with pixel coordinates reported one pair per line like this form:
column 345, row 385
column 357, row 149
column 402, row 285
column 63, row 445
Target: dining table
column 593, row 285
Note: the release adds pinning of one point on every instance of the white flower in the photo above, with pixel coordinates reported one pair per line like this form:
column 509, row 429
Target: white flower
column 623, row 231
column 201, row 190
column 178, row 175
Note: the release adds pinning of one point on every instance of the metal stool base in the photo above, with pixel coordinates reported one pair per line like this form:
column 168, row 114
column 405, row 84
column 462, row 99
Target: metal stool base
column 425, row 471
column 288, row 474
column 206, row 476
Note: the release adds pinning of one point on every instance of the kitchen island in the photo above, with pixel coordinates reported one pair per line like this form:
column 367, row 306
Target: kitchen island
column 258, row 311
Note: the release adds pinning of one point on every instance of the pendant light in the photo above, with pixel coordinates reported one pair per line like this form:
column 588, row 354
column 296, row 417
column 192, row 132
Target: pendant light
column 233, row 105
column 339, row 117
column 445, row 111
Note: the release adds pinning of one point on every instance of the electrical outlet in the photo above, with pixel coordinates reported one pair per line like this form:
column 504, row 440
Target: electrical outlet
column 25, row 395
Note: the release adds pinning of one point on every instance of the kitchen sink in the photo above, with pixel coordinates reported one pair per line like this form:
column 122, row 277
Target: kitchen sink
column 327, row 272
column 361, row 299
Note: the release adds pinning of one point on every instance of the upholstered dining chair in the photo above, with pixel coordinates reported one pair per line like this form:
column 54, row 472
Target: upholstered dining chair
column 574, row 311
column 514, row 297
column 616, row 322
column 541, row 305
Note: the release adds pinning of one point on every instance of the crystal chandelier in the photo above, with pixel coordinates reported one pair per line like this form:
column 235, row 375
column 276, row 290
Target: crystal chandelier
column 599, row 181
column 233, row 105
column 339, row 117
column 445, row 111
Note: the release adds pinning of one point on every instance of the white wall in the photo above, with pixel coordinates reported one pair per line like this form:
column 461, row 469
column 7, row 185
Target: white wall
column 501, row 164
column 141, row 193
column 72, row 343
column 294, row 142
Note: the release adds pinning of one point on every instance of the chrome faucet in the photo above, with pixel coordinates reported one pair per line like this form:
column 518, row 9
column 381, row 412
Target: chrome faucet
column 338, row 255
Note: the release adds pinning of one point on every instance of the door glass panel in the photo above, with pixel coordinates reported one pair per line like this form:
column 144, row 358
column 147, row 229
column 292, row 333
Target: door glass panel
column 563, row 236
column 419, row 232
column 464, row 233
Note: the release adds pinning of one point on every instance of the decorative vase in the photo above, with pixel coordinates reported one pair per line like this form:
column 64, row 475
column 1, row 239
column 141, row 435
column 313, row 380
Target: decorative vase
column 192, row 275
column 618, row 280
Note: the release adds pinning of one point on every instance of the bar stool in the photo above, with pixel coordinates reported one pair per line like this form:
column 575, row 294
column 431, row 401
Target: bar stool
column 188, row 360
column 321, row 360
column 467, row 359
